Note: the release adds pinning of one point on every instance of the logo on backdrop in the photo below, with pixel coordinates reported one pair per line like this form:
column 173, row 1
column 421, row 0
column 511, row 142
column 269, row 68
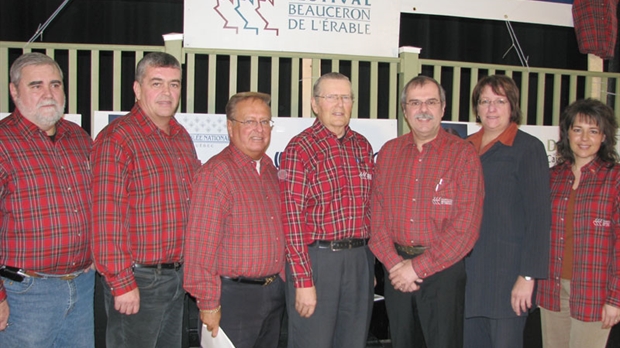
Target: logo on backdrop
column 259, row 16
column 252, row 15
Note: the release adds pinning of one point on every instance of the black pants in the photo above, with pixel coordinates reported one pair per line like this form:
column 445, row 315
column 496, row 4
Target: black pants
column 252, row 313
column 438, row 306
column 344, row 289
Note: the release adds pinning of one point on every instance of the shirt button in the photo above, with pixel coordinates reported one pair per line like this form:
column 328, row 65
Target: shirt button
column 69, row 189
column 416, row 180
column 420, row 160
column 413, row 200
column 410, row 220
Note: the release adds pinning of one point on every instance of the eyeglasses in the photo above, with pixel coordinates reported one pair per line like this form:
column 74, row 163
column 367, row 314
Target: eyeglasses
column 254, row 123
column 497, row 102
column 334, row 98
column 430, row 103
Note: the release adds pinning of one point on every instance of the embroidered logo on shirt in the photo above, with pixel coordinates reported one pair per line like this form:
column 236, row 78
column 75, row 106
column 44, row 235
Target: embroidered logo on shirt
column 366, row 175
column 442, row 201
column 601, row 223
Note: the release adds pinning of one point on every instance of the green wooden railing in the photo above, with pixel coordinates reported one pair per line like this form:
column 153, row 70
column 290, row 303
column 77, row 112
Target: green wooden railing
column 100, row 77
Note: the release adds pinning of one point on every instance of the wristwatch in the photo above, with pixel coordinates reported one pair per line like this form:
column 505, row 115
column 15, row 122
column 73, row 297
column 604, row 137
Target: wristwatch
column 528, row 278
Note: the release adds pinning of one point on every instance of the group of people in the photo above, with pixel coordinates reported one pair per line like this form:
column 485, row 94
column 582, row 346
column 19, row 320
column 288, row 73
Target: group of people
column 466, row 229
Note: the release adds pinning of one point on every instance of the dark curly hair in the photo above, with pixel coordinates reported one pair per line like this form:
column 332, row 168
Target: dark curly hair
column 594, row 112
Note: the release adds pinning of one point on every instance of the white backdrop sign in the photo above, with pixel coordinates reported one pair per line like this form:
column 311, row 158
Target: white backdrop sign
column 210, row 136
column 355, row 27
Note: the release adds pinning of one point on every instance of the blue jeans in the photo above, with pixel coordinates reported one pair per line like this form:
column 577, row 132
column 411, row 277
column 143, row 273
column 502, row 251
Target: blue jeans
column 50, row 313
column 159, row 322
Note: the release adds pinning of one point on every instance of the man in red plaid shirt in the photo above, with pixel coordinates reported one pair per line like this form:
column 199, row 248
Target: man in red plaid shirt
column 143, row 164
column 46, row 289
column 325, row 180
column 426, row 213
column 235, row 243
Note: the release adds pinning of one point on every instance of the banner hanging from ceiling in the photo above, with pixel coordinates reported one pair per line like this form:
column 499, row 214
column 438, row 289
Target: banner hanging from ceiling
column 550, row 12
column 351, row 27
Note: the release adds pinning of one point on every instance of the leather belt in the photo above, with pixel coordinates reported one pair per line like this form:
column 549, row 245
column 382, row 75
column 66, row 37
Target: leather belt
column 69, row 276
column 413, row 250
column 173, row 265
column 256, row 281
column 341, row 244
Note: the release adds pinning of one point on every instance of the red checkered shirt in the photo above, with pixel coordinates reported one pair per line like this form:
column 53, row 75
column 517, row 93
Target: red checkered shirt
column 431, row 198
column 325, row 184
column 141, row 194
column 596, row 26
column 45, row 197
column 596, row 233
column 235, row 226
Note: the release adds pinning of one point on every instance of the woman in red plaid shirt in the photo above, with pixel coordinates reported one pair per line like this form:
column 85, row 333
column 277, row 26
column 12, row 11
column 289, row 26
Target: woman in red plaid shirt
column 580, row 301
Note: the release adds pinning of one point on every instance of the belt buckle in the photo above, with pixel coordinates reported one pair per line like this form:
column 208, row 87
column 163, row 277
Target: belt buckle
column 269, row 280
column 69, row 277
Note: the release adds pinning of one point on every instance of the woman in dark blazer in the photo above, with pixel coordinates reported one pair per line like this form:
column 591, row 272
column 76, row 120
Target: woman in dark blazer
column 512, row 251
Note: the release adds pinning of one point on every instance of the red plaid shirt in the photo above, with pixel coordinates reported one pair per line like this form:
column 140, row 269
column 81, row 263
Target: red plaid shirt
column 596, row 26
column 431, row 198
column 325, row 184
column 45, row 197
column 235, row 227
column 141, row 193
column 596, row 228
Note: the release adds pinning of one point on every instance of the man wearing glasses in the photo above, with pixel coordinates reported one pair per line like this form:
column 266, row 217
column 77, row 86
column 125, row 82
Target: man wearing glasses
column 426, row 212
column 325, row 179
column 234, row 246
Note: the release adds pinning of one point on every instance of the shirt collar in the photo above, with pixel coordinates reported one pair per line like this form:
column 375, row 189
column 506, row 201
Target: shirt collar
column 507, row 137
column 148, row 126
column 241, row 159
column 320, row 131
column 436, row 143
column 30, row 128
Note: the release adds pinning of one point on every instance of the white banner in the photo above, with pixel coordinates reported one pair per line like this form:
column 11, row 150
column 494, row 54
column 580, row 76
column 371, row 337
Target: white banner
column 352, row 27
column 549, row 12
column 210, row 136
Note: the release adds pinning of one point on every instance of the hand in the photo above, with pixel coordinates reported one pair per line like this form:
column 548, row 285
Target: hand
column 305, row 301
column 521, row 296
column 611, row 316
column 128, row 303
column 91, row 268
column 404, row 278
column 212, row 320
column 4, row 314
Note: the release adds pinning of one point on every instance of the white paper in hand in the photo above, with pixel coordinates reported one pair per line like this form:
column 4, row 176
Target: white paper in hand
column 219, row 341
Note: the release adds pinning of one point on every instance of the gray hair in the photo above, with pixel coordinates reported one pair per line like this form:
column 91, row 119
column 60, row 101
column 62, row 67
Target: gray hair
column 27, row 59
column 156, row 60
column 231, row 106
column 420, row 81
column 329, row 76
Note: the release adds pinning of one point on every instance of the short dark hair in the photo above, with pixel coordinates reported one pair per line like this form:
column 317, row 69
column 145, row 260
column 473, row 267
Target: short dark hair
column 501, row 85
column 594, row 112
column 231, row 106
column 156, row 60
column 27, row 59
column 419, row 81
